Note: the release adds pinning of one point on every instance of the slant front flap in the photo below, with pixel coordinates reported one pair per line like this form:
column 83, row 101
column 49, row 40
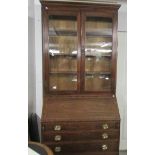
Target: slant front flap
column 80, row 109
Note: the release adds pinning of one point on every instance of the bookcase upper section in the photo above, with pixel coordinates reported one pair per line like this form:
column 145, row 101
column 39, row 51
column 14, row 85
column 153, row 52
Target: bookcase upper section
column 79, row 48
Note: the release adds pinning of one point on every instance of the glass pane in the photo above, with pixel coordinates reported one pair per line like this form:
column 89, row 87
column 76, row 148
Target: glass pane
column 97, row 64
column 97, row 82
column 62, row 45
column 98, row 52
column 63, row 52
column 63, row 64
column 63, row 82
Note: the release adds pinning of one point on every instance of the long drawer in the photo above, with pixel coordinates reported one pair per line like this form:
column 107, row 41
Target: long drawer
column 90, row 153
column 76, row 126
column 51, row 136
column 82, row 146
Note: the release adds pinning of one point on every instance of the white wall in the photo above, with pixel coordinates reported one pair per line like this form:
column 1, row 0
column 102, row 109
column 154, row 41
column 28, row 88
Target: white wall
column 121, row 89
column 38, row 61
column 35, row 61
column 121, row 86
column 35, row 58
column 31, row 58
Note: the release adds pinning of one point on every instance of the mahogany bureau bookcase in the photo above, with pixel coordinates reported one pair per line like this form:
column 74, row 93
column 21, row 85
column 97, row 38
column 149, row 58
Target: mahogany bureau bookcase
column 80, row 114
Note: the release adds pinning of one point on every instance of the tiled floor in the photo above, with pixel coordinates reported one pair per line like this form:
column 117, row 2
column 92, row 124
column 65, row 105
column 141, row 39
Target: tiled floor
column 123, row 153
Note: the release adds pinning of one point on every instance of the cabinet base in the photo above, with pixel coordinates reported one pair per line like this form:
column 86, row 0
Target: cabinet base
column 89, row 153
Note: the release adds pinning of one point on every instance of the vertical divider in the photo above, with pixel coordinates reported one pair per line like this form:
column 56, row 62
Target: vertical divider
column 79, row 52
column 83, row 17
column 45, row 49
column 114, row 53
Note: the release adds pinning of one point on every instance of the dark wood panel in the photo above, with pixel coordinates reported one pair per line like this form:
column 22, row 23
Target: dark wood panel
column 83, row 146
column 79, row 135
column 114, row 53
column 90, row 153
column 72, row 6
column 80, row 109
column 71, row 126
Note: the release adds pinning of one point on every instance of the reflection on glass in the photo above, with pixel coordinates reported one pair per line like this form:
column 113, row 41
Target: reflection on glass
column 64, row 63
column 97, row 64
column 99, row 26
column 63, row 52
column 57, row 22
column 62, row 45
column 96, row 82
column 98, row 46
column 63, row 82
column 98, row 52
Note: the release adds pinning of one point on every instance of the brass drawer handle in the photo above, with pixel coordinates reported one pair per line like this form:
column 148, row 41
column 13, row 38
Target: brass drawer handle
column 105, row 126
column 104, row 135
column 57, row 138
column 57, row 127
column 57, row 149
column 104, row 147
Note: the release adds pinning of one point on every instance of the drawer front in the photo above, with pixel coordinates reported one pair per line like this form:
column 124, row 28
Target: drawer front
column 79, row 136
column 76, row 126
column 107, row 146
column 90, row 153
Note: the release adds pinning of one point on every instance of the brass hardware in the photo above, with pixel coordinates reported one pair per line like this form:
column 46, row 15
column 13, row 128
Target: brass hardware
column 104, row 135
column 105, row 126
column 104, row 147
column 57, row 138
column 57, row 127
column 57, row 149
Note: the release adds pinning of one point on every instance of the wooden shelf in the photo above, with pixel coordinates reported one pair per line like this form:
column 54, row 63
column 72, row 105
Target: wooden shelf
column 74, row 33
column 62, row 33
column 106, row 55
column 98, row 34
column 97, row 73
column 86, row 72
column 63, row 72
column 62, row 54
column 75, row 55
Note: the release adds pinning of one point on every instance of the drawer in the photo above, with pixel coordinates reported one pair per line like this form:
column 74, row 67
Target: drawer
column 80, row 135
column 90, row 153
column 84, row 146
column 76, row 126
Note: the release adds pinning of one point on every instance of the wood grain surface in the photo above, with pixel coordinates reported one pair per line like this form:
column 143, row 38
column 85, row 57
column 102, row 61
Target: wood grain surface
column 89, row 153
column 81, row 146
column 79, row 109
column 49, row 136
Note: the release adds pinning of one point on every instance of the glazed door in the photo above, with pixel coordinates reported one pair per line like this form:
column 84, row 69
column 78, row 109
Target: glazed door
column 63, row 52
column 80, row 55
column 97, row 52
